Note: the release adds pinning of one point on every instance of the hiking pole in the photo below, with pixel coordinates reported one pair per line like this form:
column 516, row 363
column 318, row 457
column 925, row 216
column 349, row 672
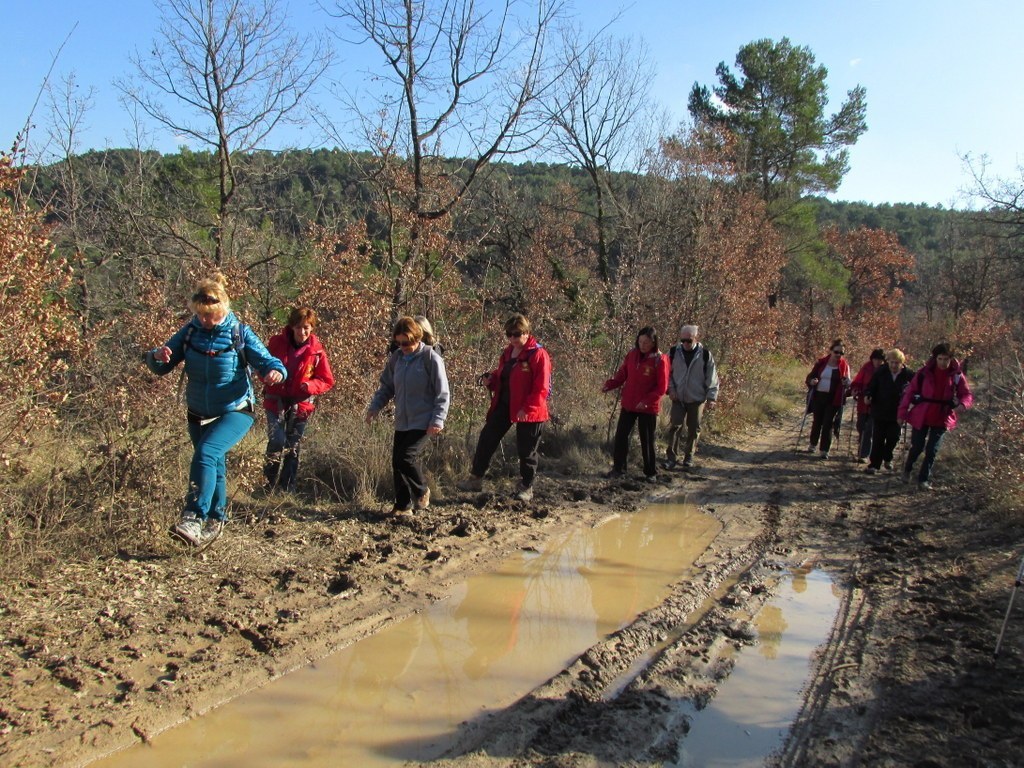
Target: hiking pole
column 902, row 447
column 853, row 428
column 803, row 421
column 1009, row 608
column 800, row 434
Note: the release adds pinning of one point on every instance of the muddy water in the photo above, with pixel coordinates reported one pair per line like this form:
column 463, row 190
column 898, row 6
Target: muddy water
column 401, row 694
column 749, row 717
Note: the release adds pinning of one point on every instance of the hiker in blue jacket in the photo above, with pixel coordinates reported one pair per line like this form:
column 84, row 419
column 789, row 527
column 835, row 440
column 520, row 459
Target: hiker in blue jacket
column 217, row 351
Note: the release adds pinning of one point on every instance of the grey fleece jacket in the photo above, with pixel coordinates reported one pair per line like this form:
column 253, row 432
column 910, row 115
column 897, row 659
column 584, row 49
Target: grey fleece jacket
column 419, row 387
column 693, row 383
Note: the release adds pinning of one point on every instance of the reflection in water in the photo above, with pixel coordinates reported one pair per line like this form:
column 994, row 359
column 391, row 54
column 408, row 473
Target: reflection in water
column 749, row 717
column 400, row 694
column 770, row 625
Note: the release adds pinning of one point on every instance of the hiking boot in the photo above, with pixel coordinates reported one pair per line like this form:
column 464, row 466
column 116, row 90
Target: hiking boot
column 688, row 462
column 189, row 529
column 824, row 455
column 924, row 485
column 870, row 470
column 812, row 448
column 401, row 509
column 423, row 501
column 613, row 474
column 652, row 479
column 887, row 465
column 524, row 492
column 472, row 483
column 669, row 464
column 861, row 460
column 211, row 531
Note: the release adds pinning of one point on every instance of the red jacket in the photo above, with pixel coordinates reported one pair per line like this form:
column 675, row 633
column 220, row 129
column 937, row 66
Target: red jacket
column 309, row 374
column 840, row 379
column 930, row 398
column 644, row 381
column 860, row 385
column 529, row 382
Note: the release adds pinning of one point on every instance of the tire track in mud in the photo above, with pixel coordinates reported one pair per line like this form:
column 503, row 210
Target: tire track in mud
column 620, row 702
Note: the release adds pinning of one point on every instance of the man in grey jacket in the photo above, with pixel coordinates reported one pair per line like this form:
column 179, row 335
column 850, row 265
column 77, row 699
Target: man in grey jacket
column 692, row 385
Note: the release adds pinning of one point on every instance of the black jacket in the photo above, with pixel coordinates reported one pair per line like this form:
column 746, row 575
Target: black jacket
column 885, row 392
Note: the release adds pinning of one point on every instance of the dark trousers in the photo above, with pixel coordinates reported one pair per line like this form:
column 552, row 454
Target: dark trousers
column 927, row 440
column 824, row 413
column 405, row 465
column 865, row 431
column 527, row 444
column 646, row 424
column 284, row 439
column 886, row 435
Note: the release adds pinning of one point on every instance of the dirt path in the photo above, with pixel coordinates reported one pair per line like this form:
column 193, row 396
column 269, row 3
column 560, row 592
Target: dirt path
column 96, row 657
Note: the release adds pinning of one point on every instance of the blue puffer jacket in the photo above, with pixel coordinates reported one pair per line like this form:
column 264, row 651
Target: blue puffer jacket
column 218, row 382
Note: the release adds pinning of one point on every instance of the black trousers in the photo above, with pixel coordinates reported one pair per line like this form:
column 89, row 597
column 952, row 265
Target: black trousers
column 824, row 417
column 646, row 424
column 405, row 464
column 886, row 437
column 527, row 444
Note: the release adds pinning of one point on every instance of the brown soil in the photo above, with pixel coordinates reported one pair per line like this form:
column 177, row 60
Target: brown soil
column 98, row 656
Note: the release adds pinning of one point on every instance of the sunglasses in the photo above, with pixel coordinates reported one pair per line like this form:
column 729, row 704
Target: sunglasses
column 205, row 299
column 515, row 334
column 838, row 352
column 406, row 343
column 686, row 341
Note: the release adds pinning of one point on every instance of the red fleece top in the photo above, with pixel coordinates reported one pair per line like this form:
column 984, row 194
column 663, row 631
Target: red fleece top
column 644, row 381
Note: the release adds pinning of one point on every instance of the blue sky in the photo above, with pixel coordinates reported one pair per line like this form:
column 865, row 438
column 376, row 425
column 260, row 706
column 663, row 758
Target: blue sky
column 942, row 76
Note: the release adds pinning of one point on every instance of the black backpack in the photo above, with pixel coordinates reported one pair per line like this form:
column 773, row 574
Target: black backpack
column 704, row 352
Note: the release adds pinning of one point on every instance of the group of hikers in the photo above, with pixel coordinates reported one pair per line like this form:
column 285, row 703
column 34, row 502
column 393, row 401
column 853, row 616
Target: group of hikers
column 217, row 351
column 888, row 396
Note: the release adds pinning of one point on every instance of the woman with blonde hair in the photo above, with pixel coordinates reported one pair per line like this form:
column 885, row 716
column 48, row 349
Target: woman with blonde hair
column 217, row 351
column 882, row 396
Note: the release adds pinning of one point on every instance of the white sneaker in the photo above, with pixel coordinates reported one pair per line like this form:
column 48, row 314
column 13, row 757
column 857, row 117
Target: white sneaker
column 188, row 529
column 525, row 493
column 211, row 531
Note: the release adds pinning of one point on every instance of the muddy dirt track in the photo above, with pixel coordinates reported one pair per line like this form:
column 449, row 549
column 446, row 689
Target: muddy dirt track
column 100, row 656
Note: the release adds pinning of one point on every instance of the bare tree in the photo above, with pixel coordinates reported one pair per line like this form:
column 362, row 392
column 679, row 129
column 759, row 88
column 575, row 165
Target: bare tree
column 67, row 107
column 456, row 76
column 225, row 74
column 597, row 109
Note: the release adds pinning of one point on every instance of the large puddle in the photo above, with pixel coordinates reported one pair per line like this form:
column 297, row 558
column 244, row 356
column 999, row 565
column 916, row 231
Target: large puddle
column 751, row 714
column 402, row 693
